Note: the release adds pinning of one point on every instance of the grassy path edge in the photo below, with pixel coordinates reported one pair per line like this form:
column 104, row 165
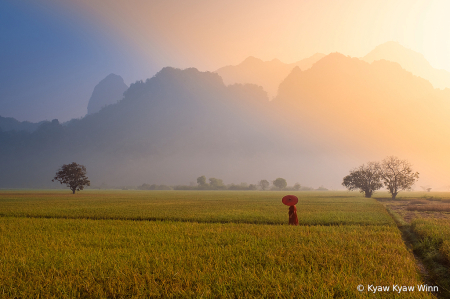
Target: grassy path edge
column 428, row 268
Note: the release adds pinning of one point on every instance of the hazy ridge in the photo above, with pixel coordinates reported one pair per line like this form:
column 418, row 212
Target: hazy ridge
column 268, row 74
column 12, row 124
column 108, row 91
column 411, row 61
column 170, row 128
column 181, row 124
column 377, row 109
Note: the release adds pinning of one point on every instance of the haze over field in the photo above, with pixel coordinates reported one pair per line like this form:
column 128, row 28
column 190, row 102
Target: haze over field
column 165, row 91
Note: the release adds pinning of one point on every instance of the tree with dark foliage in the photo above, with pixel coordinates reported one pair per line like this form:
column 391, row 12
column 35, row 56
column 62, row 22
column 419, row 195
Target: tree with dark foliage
column 73, row 175
column 366, row 178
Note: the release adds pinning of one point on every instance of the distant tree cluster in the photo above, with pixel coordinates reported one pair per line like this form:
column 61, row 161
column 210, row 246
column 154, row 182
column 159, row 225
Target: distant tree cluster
column 392, row 173
column 74, row 176
column 263, row 184
column 280, row 183
column 217, row 184
column 321, row 188
column 154, row 187
column 242, row 186
column 214, row 184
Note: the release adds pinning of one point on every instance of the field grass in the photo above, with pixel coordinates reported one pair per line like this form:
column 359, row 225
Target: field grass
column 229, row 244
column 425, row 223
column 314, row 208
column 435, row 232
column 112, row 258
column 434, row 246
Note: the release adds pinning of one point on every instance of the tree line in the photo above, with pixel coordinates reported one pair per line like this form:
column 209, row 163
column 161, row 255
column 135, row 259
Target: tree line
column 217, row 184
column 394, row 174
column 74, row 176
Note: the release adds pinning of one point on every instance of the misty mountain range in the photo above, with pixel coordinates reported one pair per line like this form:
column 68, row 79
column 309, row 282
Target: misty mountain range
column 268, row 74
column 12, row 124
column 327, row 117
column 411, row 61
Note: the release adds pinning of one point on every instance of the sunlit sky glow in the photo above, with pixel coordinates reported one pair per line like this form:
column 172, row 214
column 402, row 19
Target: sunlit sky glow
column 56, row 51
column 210, row 34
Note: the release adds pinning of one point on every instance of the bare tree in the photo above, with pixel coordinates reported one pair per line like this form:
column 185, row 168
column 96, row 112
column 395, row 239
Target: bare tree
column 365, row 178
column 397, row 175
column 73, row 175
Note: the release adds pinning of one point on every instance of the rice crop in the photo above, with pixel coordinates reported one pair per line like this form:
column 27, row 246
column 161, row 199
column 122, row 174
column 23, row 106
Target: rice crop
column 81, row 258
column 434, row 246
column 314, row 208
column 435, row 235
column 199, row 244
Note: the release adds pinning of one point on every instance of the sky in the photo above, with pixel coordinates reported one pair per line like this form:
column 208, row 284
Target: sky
column 54, row 52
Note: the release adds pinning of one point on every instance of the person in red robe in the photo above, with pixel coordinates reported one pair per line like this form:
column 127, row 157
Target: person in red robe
column 293, row 220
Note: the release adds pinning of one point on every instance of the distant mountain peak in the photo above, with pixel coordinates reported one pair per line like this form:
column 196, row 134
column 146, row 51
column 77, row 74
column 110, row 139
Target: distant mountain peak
column 268, row 74
column 296, row 69
column 393, row 45
column 112, row 75
column 392, row 48
column 108, row 91
column 411, row 61
column 251, row 60
column 170, row 73
column 335, row 58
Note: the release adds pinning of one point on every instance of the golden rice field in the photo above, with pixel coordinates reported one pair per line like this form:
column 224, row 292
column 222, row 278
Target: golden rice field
column 316, row 208
column 189, row 244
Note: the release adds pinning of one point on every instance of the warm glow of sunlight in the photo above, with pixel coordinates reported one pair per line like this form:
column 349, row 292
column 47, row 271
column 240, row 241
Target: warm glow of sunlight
column 436, row 34
column 209, row 35
column 342, row 79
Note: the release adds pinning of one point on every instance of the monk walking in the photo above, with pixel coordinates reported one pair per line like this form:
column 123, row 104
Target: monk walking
column 291, row 201
column 293, row 220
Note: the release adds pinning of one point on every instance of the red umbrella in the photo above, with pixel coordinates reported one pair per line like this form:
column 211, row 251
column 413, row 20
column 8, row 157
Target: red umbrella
column 290, row 200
